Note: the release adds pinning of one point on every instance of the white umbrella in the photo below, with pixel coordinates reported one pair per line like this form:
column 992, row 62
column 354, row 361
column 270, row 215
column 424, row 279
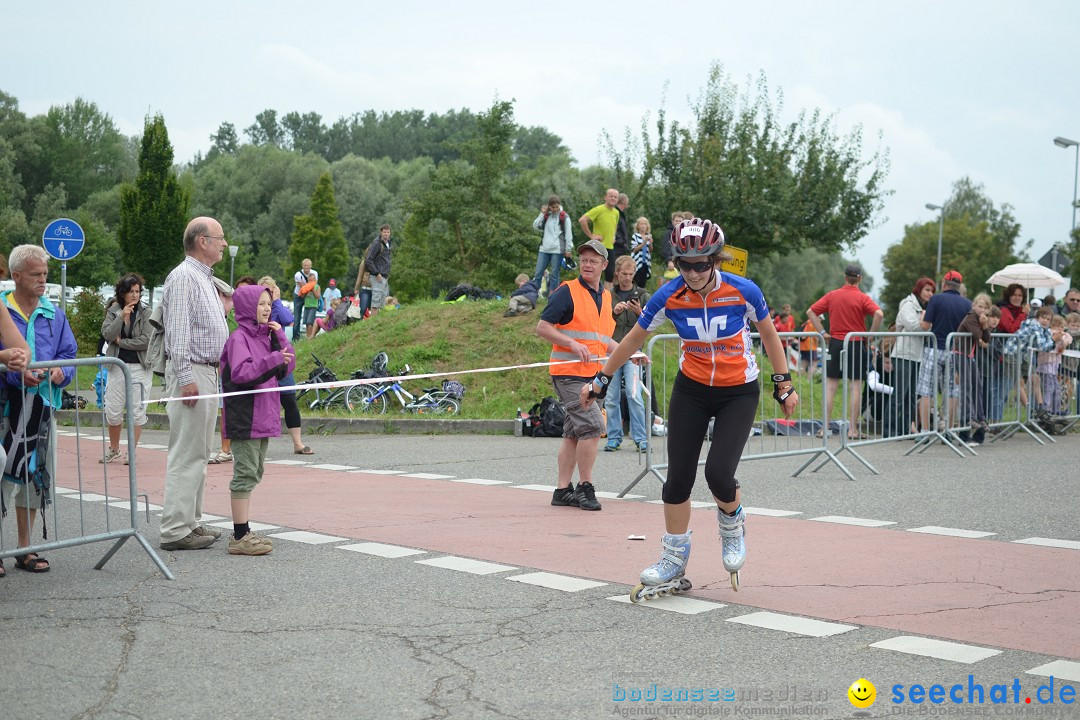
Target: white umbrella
column 1030, row 275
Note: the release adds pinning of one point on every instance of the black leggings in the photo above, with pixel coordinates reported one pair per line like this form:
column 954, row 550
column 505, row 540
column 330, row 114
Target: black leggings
column 692, row 404
column 292, row 410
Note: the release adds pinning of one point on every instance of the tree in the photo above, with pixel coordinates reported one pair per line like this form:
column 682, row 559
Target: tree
column 225, row 140
column 81, row 148
column 154, row 211
column 265, row 130
column 319, row 235
column 472, row 218
column 978, row 240
column 773, row 187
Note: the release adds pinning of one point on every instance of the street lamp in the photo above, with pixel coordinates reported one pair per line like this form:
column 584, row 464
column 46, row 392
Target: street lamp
column 1067, row 143
column 233, row 249
column 940, row 233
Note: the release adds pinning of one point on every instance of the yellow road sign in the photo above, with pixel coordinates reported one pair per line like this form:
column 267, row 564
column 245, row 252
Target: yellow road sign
column 738, row 264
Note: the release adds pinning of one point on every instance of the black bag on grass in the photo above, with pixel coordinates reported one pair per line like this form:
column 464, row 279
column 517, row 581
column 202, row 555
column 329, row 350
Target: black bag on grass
column 545, row 419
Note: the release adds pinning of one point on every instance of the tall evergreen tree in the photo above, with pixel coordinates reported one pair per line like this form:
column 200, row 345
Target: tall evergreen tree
column 319, row 235
column 153, row 212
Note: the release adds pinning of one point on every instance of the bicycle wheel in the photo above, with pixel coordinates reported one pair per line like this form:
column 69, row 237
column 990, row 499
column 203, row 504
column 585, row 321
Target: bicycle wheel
column 447, row 405
column 363, row 399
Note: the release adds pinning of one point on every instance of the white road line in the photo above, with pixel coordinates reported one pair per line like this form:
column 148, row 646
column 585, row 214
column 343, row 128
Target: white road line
column 287, row 462
column 308, row 538
column 476, row 567
column 332, row 466
column 64, row 491
column 556, row 582
column 861, row 522
column 1050, row 542
column 91, row 497
column 427, row 476
column 673, row 603
column 615, row 496
column 380, row 472
column 939, row 649
column 792, row 624
column 254, row 526
column 151, row 446
column 951, row 532
column 769, row 512
column 541, row 488
column 140, row 506
column 381, row 550
column 1060, row 669
column 479, row 481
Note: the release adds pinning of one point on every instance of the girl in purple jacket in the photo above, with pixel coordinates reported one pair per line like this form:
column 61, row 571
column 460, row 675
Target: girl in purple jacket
column 256, row 356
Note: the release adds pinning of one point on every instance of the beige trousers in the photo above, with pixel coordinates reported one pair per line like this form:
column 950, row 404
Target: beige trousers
column 191, row 438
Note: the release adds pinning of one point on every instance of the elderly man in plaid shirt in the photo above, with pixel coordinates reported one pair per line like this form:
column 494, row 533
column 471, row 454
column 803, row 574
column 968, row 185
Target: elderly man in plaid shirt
column 195, row 334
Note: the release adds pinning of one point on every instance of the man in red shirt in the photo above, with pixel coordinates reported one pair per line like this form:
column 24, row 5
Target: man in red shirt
column 847, row 308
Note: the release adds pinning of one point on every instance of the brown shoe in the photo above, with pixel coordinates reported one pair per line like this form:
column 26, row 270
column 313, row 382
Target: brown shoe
column 250, row 544
column 190, row 542
column 207, row 531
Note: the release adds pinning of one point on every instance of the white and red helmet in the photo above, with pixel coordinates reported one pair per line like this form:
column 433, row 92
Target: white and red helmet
column 696, row 238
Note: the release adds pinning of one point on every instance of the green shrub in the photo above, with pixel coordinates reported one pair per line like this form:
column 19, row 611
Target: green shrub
column 87, row 314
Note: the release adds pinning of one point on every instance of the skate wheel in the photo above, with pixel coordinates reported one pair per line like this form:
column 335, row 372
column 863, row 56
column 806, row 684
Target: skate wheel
column 735, row 581
column 637, row 594
column 685, row 585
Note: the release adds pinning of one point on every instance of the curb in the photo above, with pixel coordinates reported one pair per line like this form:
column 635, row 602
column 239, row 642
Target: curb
column 383, row 425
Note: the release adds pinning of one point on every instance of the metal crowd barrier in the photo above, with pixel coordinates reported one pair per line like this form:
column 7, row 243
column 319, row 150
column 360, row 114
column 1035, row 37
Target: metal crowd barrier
column 772, row 436
column 957, row 397
column 68, row 481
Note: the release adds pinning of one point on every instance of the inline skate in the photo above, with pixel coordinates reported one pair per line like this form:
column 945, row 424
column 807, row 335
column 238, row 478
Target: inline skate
column 666, row 577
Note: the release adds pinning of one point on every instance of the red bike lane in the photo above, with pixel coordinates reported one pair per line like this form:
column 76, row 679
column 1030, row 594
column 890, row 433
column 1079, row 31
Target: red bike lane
column 983, row 592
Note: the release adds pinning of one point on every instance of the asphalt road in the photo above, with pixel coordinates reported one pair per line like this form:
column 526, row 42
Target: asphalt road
column 313, row 631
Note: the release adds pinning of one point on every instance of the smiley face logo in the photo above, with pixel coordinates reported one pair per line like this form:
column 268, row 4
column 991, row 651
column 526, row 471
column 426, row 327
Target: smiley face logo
column 862, row 693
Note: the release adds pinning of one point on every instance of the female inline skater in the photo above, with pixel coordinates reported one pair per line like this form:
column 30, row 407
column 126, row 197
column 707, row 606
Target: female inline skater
column 717, row 379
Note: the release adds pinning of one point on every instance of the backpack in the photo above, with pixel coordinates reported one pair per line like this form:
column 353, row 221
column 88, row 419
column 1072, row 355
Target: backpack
column 155, row 350
column 545, row 419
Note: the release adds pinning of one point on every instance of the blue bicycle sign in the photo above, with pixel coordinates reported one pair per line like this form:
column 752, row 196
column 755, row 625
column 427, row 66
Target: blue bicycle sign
column 63, row 239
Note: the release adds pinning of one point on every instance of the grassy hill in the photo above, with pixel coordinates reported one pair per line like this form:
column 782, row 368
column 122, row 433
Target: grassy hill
column 433, row 336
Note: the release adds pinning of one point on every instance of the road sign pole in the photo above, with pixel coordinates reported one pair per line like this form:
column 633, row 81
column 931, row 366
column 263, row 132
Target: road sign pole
column 63, row 287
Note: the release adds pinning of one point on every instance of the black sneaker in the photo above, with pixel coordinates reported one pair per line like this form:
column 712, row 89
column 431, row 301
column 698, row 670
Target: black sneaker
column 564, row 496
column 586, row 497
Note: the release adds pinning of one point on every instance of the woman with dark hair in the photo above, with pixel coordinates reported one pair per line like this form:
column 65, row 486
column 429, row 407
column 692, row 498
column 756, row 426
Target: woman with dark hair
column 906, row 359
column 1003, row 369
column 126, row 331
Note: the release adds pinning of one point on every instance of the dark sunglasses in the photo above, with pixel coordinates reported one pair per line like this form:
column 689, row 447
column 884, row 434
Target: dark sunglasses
column 698, row 267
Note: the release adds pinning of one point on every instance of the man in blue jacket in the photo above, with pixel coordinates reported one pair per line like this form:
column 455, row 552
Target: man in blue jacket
column 33, row 395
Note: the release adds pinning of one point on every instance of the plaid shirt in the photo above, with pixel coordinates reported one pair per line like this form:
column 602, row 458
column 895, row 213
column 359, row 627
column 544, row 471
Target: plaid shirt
column 1030, row 330
column 195, row 329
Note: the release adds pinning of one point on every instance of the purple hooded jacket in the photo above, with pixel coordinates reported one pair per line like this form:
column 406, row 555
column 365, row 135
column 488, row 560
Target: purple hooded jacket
column 253, row 358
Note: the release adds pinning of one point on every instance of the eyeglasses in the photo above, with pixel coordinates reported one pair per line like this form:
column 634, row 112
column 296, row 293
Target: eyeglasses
column 214, row 237
column 698, row 267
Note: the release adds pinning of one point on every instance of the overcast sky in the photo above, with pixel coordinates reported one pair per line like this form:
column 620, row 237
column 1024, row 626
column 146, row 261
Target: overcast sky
column 954, row 88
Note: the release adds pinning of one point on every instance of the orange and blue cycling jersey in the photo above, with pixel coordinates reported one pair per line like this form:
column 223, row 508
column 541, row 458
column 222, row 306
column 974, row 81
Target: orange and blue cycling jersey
column 715, row 330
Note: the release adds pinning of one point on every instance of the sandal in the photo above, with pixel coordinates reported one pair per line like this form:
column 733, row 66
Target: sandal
column 32, row 564
column 304, row 451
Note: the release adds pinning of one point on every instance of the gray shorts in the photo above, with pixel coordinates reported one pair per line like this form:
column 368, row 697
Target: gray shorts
column 580, row 424
column 379, row 290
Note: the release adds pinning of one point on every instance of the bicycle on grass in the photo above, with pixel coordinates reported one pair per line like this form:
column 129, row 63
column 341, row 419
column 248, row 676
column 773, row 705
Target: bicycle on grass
column 324, row 398
column 373, row 398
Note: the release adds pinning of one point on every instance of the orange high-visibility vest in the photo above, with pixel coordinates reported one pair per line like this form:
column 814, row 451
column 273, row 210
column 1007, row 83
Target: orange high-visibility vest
column 590, row 328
